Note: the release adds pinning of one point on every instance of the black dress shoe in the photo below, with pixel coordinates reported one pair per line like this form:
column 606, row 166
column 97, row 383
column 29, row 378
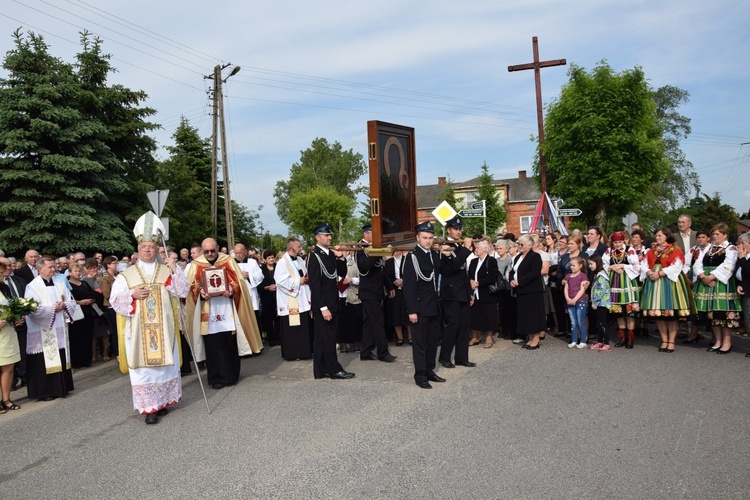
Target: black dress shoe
column 434, row 378
column 724, row 352
column 467, row 363
column 152, row 418
column 388, row 358
column 747, row 355
column 713, row 349
column 368, row 357
column 531, row 347
column 424, row 384
column 217, row 386
column 342, row 375
column 162, row 412
column 447, row 364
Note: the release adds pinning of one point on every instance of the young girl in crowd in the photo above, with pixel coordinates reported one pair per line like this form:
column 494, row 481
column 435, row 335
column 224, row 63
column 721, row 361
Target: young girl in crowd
column 576, row 283
column 600, row 302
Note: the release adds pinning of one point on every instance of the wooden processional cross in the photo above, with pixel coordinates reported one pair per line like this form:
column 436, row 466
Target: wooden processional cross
column 536, row 66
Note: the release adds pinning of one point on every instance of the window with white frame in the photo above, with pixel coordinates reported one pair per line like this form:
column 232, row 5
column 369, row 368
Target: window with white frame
column 526, row 223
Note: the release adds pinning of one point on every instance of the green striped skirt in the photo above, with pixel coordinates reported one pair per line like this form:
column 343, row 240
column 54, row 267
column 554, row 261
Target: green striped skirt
column 720, row 303
column 666, row 299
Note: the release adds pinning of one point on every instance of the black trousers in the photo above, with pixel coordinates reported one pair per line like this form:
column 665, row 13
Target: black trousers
column 222, row 358
column 510, row 315
column 602, row 334
column 424, row 333
column 324, row 347
column 373, row 331
column 456, row 331
column 270, row 323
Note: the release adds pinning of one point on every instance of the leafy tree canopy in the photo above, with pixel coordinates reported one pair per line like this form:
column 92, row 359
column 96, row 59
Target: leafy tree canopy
column 323, row 167
column 74, row 154
column 604, row 142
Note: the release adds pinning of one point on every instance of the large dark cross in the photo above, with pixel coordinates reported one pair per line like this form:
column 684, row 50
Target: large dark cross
column 536, row 66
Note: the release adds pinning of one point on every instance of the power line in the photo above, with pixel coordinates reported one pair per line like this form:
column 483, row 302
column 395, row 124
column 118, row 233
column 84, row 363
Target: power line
column 125, row 23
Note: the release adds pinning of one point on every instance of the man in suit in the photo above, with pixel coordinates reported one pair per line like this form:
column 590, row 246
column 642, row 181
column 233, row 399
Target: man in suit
column 17, row 288
column 686, row 238
column 28, row 271
column 420, row 293
column 455, row 295
column 371, row 286
column 324, row 267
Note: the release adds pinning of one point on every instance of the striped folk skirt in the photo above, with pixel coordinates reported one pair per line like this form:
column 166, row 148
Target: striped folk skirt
column 719, row 304
column 667, row 299
column 625, row 294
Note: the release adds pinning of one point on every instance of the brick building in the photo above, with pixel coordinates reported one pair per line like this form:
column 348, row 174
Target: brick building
column 520, row 196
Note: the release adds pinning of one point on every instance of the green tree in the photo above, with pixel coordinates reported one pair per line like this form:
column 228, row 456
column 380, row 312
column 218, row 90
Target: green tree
column 321, row 165
column 495, row 212
column 604, row 142
column 706, row 211
column 128, row 149
column 59, row 178
column 245, row 222
column 187, row 175
column 682, row 184
column 320, row 204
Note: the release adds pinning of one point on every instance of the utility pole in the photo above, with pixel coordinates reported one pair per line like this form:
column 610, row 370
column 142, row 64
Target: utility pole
column 220, row 124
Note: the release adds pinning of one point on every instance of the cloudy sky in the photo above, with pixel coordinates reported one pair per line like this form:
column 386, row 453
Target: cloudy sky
column 323, row 69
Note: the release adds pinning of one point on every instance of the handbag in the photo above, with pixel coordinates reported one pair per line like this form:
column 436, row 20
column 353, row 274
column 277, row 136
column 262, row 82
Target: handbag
column 500, row 285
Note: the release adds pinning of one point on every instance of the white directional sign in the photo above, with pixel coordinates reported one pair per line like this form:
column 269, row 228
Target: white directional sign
column 569, row 212
column 477, row 205
column 158, row 199
column 471, row 213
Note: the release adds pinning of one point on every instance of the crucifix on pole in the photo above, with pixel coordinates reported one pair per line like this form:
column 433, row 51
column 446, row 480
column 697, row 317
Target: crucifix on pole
column 536, row 66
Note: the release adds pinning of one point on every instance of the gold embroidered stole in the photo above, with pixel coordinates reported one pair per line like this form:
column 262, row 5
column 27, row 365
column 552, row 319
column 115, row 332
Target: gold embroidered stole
column 292, row 302
column 151, row 341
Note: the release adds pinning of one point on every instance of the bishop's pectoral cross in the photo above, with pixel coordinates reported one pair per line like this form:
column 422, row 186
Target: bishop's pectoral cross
column 536, row 66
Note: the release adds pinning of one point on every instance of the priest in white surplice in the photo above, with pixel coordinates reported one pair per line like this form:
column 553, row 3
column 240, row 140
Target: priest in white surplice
column 144, row 297
column 48, row 345
column 293, row 303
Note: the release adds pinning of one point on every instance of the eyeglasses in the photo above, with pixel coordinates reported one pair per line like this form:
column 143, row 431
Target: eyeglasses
column 210, row 251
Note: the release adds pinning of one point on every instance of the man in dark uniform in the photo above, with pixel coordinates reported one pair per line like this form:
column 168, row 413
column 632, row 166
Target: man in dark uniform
column 420, row 293
column 371, row 286
column 324, row 266
column 455, row 296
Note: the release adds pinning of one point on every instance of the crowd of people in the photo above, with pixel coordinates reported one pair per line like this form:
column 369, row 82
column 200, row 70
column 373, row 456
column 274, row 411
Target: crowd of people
column 213, row 306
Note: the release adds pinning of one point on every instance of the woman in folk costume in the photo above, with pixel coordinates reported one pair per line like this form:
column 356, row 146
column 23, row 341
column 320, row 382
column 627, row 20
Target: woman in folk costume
column 715, row 289
column 666, row 295
column 623, row 266
column 48, row 344
column 144, row 296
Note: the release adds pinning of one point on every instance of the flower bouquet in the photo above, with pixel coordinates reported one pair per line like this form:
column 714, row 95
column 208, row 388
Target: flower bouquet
column 16, row 308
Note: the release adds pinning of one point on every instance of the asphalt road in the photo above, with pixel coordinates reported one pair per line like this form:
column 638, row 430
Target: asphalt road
column 550, row 423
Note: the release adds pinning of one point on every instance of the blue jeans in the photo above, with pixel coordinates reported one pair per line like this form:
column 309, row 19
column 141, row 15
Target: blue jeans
column 578, row 321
